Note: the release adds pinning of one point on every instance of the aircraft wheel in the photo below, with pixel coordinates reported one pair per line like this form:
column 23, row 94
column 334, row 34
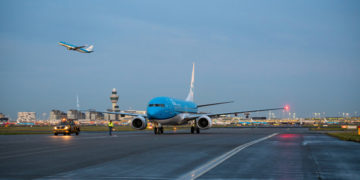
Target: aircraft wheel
column 192, row 130
column 155, row 130
column 55, row 134
column 198, row 130
column 77, row 133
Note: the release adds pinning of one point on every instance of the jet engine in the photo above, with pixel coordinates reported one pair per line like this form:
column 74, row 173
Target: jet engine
column 204, row 122
column 139, row 123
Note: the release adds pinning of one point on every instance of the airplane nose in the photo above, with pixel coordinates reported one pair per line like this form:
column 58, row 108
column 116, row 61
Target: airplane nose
column 152, row 113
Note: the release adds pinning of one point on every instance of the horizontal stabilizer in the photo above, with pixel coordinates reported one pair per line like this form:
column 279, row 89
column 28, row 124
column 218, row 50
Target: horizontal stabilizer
column 90, row 48
column 212, row 104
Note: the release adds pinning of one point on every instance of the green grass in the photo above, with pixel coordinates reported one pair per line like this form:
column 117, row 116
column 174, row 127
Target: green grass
column 18, row 130
column 347, row 136
column 22, row 130
column 328, row 129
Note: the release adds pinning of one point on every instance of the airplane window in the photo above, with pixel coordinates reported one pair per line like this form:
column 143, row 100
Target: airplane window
column 156, row 105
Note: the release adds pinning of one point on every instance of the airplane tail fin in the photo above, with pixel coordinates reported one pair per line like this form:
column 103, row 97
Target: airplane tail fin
column 90, row 48
column 190, row 96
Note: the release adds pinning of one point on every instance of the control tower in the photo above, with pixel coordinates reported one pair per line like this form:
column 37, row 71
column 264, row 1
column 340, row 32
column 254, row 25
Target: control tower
column 114, row 99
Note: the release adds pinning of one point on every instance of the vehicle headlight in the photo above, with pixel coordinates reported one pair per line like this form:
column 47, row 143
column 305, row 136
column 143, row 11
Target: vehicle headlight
column 66, row 127
column 55, row 127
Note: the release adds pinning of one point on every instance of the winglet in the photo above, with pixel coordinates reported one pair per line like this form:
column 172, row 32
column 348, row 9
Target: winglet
column 190, row 96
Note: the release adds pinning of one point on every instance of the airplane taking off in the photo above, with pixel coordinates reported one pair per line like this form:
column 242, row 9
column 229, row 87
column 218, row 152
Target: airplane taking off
column 169, row 111
column 82, row 49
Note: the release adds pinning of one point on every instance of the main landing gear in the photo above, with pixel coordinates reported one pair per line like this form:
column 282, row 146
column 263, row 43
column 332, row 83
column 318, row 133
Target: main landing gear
column 158, row 130
column 195, row 128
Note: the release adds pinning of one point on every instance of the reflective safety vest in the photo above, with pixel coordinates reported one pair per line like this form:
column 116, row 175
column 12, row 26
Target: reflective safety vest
column 111, row 124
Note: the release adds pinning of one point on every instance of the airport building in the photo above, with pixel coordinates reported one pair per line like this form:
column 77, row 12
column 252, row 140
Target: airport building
column 92, row 115
column 114, row 98
column 3, row 119
column 75, row 114
column 26, row 117
column 56, row 116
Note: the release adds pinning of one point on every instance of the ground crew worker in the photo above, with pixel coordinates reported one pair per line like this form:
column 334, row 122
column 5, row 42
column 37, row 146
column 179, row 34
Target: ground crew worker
column 111, row 125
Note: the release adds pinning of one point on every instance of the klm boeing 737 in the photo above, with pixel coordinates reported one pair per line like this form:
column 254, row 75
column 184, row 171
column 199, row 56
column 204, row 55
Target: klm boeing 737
column 169, row 111
column 82, row 49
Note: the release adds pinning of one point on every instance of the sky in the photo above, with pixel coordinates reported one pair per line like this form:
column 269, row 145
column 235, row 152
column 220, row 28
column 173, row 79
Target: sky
column 260, row 54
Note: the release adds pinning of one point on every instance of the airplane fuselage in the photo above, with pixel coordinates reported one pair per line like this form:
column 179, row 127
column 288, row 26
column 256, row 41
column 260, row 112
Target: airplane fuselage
column 74, row 48
column 170, row 111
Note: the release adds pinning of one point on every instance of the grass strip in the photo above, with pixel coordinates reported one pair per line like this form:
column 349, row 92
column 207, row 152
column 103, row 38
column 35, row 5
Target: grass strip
column 327, row 129
column 346, row 136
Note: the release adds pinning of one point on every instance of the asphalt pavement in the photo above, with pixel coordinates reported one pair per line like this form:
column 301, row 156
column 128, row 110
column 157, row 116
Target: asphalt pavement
column 218, row 153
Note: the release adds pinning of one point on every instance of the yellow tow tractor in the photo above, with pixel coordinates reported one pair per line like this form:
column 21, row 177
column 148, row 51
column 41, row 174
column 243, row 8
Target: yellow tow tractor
column 66, row 127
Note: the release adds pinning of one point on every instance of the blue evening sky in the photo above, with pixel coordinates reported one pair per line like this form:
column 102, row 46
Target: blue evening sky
column 261, row 54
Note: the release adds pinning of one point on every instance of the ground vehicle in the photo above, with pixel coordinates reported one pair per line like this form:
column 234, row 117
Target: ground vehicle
column 66, row 127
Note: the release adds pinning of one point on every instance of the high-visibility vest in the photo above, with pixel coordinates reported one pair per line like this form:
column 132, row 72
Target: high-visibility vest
column 111, row 124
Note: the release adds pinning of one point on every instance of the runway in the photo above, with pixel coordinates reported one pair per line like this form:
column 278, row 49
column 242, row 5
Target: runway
column 219, row 153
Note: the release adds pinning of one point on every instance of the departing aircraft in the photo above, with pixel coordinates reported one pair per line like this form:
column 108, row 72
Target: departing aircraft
column 82, row 49
column 169, row 111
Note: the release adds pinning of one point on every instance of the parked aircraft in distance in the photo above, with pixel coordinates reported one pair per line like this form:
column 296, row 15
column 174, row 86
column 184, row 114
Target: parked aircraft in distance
column 170, row 111
column 83, row 49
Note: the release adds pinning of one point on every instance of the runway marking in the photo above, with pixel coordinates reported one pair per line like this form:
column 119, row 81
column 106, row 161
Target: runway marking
column 215, row 162
column 106, row 177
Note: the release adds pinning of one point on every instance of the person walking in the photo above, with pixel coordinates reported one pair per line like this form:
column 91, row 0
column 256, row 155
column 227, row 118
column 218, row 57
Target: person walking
column 111, row 125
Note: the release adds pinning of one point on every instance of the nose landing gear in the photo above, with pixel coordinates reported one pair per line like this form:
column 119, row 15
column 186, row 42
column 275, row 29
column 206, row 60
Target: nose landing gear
column 158, row 129
column 194, row 128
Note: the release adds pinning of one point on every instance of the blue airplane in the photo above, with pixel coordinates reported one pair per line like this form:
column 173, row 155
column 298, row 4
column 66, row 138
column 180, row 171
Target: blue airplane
column 82, row 49
column 170, row 111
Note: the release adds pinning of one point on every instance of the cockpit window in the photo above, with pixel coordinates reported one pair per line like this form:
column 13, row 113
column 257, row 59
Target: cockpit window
column 156, row 105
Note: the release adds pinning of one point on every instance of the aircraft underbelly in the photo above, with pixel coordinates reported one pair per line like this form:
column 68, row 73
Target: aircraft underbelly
column 176, row 120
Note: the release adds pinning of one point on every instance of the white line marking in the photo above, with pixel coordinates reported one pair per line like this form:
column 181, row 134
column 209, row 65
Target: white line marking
column 215, row 162
column 105, row 177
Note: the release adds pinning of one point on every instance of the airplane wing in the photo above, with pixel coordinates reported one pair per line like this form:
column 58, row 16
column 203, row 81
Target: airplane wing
column 70, row 46
column 120, row 113
column 212, row 104
column 214, row 115
column 78, row 47
column 244, row 112
column 126, row 114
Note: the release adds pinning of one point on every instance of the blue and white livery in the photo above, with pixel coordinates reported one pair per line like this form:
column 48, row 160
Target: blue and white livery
column 170, row 111
column 83, row 49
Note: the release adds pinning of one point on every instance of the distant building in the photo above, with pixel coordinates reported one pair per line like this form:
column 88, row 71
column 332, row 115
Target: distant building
column 3, row 118
column 75, row 114
column 57, row 115
column 114, row 99
column 115, row 107
column 26, row 117
column 93, row 115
